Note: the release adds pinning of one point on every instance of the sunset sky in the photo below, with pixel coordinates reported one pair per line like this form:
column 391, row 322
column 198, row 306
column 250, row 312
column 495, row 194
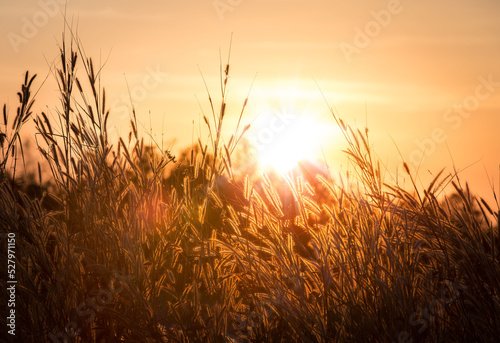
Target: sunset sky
column 422, row 73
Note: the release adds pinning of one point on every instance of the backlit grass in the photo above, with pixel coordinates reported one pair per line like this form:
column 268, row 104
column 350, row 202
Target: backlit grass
column 115, row 250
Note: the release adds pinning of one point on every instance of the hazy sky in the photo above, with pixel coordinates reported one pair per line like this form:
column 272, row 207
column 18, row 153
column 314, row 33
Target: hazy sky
column 426, row 71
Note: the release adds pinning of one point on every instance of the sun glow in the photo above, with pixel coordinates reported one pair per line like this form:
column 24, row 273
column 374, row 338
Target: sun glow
column 283, row 140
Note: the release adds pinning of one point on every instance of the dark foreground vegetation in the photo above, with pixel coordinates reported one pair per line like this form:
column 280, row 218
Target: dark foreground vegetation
column 115, row 250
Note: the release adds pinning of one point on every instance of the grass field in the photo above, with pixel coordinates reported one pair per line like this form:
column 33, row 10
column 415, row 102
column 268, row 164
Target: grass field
column 129, row 244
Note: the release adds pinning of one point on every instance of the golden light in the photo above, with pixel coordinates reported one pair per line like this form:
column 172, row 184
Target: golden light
column 282, row 140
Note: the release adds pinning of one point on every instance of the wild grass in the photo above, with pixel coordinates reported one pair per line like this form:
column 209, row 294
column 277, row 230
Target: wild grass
column 116, row 252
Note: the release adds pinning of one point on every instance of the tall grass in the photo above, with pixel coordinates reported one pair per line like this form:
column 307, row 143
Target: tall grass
column 124, row 255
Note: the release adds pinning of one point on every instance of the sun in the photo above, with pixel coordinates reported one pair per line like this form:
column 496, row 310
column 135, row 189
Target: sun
column 281, row 140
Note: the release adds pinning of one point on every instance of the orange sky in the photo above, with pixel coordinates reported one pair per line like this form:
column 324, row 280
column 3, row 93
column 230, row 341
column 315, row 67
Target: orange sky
column 411, row 64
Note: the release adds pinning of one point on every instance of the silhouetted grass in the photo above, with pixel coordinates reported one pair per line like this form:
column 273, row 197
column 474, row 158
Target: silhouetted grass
column 123, row 254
